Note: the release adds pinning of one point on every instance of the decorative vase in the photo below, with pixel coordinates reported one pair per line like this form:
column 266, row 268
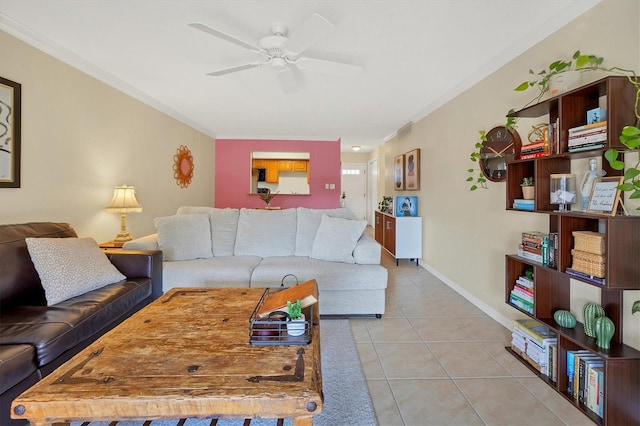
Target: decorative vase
column 590, row 312
column 528, row 192
column 564, row 81
column 605, row 328
column 296, row 327
column 564, row 319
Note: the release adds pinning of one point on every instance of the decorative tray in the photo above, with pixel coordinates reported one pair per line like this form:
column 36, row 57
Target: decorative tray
column 272, row 330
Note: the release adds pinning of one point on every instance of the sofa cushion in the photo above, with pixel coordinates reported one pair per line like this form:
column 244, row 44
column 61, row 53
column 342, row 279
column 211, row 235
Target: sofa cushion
column 224, row 224
column 336, row 238
column 220, row 271
column 55, row 329
column 184, row 237
column 308, row 221
column 69, row 267
column 266, row 233
column 333, row 276
column 17, row 362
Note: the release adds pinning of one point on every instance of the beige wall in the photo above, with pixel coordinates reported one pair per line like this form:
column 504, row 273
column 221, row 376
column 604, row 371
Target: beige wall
column 466, row 234
column 81, row 137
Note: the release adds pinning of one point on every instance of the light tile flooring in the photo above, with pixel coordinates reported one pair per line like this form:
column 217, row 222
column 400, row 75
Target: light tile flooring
column 436, row 359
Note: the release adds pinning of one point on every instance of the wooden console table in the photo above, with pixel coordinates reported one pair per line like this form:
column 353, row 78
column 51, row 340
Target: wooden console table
column 185, row 355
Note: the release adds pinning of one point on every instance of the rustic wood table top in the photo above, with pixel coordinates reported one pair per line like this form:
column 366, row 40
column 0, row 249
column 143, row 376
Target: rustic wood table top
column 185, row 355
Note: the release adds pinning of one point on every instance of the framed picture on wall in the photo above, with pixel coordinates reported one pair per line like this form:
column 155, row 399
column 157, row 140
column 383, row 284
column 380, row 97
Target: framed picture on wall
column 10, row 105
column 412, row 170
column 398, row 173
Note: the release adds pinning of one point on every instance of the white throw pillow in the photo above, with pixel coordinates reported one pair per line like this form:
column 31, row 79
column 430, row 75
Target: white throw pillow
column 69, row 267
column 184, row 237
column 336, row 239
column 308, row 223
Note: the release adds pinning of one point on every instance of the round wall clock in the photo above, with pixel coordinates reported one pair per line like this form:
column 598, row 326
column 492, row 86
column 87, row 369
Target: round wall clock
column 183, row 166
column 502, row 145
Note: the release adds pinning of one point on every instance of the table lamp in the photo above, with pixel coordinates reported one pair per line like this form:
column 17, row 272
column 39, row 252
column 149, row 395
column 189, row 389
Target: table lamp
column 124, row 201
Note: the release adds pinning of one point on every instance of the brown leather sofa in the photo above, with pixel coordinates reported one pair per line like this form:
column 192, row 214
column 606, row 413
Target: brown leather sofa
column 35, row 338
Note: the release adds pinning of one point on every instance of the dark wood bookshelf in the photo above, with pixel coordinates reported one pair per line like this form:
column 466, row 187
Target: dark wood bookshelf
column 552, row 286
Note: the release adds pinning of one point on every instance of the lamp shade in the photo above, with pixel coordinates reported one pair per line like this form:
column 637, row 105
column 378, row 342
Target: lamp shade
column 124, row 200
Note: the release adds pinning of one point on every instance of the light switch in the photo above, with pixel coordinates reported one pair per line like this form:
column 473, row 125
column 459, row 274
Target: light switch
column 332, row 186
column 326, row 186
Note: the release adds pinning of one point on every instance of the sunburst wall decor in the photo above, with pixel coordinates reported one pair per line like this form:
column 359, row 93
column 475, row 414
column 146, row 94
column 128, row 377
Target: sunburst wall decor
column 183, row 167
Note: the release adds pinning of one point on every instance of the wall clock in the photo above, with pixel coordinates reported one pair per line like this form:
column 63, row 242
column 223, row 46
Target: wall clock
column 502, row 145
column 183, row 166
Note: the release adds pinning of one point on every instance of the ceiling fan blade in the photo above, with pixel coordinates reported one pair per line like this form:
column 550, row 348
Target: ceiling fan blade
column 311, row 30
column 234, row 69
column 288, row 80
column 337, row 69
column 224, row 36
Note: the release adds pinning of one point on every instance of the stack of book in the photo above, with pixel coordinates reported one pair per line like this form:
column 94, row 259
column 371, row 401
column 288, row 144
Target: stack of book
column 589, row 136
column 536, row 344
column 585, row 381
column 522, row 204
column 534, row 150
column 540, row 247
column 522, row 294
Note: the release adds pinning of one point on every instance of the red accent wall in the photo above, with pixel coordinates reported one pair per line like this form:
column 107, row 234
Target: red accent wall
column 233, row 173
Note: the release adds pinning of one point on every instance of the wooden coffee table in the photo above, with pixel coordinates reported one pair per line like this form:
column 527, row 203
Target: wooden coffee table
column 185, row 355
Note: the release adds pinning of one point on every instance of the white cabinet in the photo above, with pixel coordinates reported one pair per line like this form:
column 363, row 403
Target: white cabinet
column 400, row 236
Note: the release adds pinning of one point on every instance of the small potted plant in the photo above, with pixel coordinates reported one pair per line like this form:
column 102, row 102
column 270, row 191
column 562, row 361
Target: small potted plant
column 296, row 324
column 528, row 188
column 267, row 197
column 385, row 205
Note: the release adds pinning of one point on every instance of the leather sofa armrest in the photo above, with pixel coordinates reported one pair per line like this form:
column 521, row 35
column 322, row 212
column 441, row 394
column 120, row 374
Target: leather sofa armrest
column 140, row 263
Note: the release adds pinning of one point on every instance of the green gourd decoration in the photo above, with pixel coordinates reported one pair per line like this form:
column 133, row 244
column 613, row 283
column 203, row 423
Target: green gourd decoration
column 605, row 328
column 590, row 312
column 564, row 319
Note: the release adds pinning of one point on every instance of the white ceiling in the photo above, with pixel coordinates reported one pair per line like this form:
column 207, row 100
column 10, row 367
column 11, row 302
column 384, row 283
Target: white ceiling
column 416, row 55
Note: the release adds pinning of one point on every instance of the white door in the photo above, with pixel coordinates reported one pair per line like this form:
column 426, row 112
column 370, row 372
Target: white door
column 372, row 193
column 354, row 185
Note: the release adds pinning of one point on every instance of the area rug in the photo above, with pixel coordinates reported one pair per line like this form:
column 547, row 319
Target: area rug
column 346, row 396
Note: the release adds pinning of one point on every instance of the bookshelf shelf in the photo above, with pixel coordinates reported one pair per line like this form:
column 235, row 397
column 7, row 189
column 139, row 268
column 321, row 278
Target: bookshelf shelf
column 552, row 286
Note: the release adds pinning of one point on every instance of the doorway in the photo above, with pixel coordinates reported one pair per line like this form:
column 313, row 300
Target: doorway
column 354, row 185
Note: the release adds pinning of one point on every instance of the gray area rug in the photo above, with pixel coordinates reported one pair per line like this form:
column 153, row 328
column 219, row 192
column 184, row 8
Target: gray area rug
column 346, row 396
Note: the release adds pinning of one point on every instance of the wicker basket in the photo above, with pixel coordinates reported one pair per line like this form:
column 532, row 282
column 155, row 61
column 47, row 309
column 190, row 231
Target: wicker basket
column 587, row 241
column 589, row 263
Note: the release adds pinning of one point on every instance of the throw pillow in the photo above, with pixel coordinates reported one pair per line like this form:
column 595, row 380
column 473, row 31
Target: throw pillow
column 184, row 237
column 308, row 223
column 336, row 239
column 69, row 267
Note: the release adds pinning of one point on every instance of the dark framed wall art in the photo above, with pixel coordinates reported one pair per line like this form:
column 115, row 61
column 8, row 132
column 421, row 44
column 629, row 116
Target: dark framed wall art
column 412, row 170
column 10, row 107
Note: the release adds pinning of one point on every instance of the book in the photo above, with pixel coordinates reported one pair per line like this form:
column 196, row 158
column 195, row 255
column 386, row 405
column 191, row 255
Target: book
column 601, row 391
column 519, row 206
column 539, row 332
column 576, row 371
column 594, row 396
column 525, row 282
column 570, row 371
column 586, row 362
column 590, row 278
column 306, row 292
column 588, row 126
column 523, row 201
column 527, row 300
column 587, row 148
column 530, row 256
column 527, row 297
column 520, row 304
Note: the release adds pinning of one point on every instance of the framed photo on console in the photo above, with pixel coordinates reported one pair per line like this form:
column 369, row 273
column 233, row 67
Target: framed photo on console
column 412, row 170
column 10, row 115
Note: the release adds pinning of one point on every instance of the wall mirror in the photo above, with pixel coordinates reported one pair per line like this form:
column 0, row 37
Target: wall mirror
column 280, row 171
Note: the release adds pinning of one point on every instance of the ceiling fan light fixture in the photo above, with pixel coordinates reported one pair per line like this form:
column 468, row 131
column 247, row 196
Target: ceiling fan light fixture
column 356, row 147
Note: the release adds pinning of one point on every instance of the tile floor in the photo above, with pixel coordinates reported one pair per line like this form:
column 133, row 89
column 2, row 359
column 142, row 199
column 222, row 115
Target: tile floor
column 436, row 359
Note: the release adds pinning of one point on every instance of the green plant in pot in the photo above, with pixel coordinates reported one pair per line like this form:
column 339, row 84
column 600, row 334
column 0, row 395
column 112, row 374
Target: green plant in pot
column 296, row 324
column 385, row 205
column 528, row 188
column 267, row 197
column 542, row 79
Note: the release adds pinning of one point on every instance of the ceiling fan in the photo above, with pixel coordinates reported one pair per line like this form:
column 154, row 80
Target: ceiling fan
column 282, row 51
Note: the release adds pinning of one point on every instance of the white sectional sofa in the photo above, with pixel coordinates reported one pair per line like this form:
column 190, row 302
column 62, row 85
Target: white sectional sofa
column 211, row 247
